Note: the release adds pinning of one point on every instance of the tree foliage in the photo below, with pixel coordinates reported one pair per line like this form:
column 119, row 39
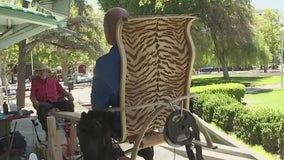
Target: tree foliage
column 229, row 23
column 268, row 24
column 86, row 40
column 8, row 61
column 87, row 31
column 83, row 42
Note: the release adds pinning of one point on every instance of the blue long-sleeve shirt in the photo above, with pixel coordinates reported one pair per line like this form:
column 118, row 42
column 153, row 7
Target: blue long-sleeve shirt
column 106, row 86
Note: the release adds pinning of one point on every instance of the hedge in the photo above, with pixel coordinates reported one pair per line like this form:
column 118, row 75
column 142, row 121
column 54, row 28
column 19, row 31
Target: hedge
column 262, row 126
column 236, row 90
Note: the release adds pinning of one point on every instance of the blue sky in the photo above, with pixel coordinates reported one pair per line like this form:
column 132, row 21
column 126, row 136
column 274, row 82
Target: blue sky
column 273, row 4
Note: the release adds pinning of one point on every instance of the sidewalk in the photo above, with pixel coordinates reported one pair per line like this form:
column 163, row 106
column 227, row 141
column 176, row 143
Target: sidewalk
column 265, row 87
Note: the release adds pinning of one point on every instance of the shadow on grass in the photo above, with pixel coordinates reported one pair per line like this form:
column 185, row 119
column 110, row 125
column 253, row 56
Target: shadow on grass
column 258, row 90
column 247, row 81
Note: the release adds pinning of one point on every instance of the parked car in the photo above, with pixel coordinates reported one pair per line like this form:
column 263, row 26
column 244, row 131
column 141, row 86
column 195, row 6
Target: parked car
column 28, row 85
column 206, row 70
column 90, row 77
column 79, row 78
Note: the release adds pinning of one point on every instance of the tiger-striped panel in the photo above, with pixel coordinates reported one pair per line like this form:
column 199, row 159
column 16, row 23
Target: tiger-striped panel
column 158, row 60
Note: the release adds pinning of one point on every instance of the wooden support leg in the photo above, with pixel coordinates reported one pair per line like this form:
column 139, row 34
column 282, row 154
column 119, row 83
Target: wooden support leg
column 73, row 137
column 54, row 146
column 203, row 130
column 143, row 131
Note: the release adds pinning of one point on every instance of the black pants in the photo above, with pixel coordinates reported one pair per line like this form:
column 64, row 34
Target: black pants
column 45, row 107
column 146, row 153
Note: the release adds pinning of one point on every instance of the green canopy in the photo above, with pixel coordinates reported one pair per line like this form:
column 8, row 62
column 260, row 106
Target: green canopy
column 17, row 23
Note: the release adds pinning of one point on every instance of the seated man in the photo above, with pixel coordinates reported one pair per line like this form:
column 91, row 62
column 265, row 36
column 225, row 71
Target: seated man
column 47, row 93
column 106, row 82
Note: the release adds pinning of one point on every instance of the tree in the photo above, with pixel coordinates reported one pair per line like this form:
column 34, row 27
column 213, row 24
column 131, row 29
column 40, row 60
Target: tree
column 204, row 46
column 87, row 38
column 86, row 41
column 268, row 24
column 264, row 56
column 8, row 58
column 135, row 7
column 229, row 23
column 56, row 56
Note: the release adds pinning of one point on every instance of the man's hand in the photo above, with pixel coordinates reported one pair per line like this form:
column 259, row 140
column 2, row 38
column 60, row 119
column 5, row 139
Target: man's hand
column 70, row 97
column 35, row 104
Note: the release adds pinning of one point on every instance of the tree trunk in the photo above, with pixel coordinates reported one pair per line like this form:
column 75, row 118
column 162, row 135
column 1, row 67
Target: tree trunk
column 220, row 54
column 265, row 68
column 65, row 73
column 64, row 65
column 1, row 90
column 224, row 67
column 4, row 76
column 21, row 76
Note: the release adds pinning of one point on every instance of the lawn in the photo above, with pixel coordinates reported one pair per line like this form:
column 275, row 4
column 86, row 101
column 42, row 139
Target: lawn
column 262, row 98
column 202, row 80
column 266, row 98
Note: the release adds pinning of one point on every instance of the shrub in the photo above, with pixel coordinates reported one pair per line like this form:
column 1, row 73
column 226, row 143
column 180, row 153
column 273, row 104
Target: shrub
column 270, row 137
column 224, row 116
column 262, row 126
column 208, row 103
column 281, row 139
column 235, row 90
column 247, row 127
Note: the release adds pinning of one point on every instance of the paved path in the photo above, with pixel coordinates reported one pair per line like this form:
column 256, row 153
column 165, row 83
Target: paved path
column 264, row 87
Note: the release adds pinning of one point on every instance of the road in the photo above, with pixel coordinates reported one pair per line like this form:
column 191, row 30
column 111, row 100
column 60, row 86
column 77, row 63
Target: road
column 249, row 73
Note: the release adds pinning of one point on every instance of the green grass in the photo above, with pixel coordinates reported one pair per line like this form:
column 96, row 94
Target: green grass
column 247, row 81
column 272, row 98
column 257, row 148
column 266, row 98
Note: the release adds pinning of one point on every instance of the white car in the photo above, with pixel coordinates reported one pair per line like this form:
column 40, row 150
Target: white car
column 80, row 78
column 90, row 77
column 28, row 85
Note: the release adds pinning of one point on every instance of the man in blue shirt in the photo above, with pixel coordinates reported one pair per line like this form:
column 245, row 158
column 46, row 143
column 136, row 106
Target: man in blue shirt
column 106, row 82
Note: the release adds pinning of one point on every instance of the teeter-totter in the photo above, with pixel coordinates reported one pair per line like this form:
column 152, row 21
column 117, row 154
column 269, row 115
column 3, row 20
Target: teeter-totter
column 157, row 55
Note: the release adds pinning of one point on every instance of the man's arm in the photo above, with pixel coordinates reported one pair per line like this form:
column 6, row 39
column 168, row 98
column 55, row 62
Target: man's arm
column 33, row 96
column 63, row 92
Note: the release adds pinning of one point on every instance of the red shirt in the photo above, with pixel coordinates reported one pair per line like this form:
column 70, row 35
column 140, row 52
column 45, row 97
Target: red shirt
column 46, row 89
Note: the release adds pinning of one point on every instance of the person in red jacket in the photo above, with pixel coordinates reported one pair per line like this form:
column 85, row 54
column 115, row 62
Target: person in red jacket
column 47, row 93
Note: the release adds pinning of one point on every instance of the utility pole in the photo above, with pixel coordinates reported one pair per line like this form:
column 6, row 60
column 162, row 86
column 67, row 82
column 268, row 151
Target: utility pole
column 281, row 53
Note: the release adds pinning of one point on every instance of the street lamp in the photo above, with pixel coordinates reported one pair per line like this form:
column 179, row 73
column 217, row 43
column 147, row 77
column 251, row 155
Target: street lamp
column 281, row 53
column 32, row 63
